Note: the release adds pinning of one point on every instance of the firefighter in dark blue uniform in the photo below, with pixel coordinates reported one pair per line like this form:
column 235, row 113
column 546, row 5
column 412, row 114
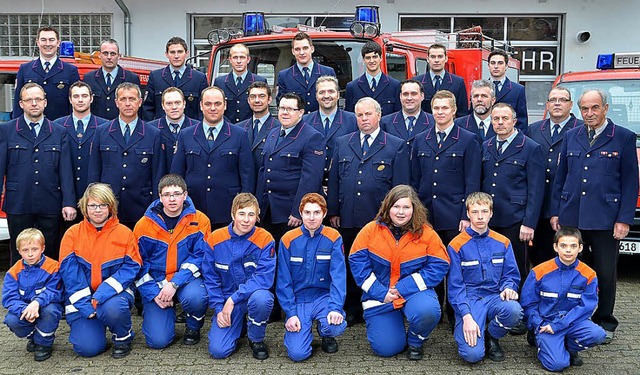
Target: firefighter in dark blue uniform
column 260, row 124
column 595, row 190
column 549, row 134
column 36, row 166
column 104, row 81
column 366, row 165
column 479, row 120
column 437, row 79
column 329, row 120
column 52, row 74
column 127, row 154
column 411, row 120
column 215, row 160
column 80, row 127
column 173, row 104
column 513, row 174
column 177, row 74
column 373, row 83
column 301, row 77
column 236, row 84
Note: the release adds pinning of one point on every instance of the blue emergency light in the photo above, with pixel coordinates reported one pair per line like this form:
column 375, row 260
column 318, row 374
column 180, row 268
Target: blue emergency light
column 605, row 61
column 67, row 49
column 253, row 23
column 366, row 23
column 367, row 13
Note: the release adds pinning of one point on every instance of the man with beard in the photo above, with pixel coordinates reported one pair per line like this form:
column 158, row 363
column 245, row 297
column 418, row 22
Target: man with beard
column 483, row 98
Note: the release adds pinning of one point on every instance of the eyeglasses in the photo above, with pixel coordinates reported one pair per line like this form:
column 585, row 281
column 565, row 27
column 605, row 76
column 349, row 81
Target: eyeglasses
column 34, row 100
column 172, row 195
column 558, row 100
column 94, row 207
column 287, row 109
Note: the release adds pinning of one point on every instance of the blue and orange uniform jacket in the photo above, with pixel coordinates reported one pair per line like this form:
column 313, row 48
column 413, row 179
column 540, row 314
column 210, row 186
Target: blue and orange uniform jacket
column 170, row 255
column 310, row 268
column 481, row 265
column 24, row 284
column 97, row 264
column 412, row 264
column 236, row 266
column 559, row 295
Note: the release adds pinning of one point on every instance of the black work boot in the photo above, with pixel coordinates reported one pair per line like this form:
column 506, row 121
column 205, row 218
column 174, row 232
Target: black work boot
column 260, row 350
column 191, row 337
column 329, row 345
column 120, row 351
column 492, row 348
column 575, row 360
column 42, row 353
column 415, row 353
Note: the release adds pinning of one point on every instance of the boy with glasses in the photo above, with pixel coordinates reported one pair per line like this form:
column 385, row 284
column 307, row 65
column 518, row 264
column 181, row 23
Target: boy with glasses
column 172, row 240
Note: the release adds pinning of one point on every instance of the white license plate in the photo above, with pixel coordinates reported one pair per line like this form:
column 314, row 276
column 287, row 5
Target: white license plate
column 629, row 247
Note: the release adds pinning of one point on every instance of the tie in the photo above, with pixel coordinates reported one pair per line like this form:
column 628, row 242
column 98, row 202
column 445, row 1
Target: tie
column 281, row 137
column 374, row 86
column 239, row 82
column 592, row 136
column 46, row 66
column 210, row 138
column 438, row 82
column 555, row 132
column 412, row 120
column 80, row 129
column 305, row 71
column 127, row 133
column 176, row 78
column 327, row 124
column 497, row 85
column 481, row 128
column 441, row 136
column 500, row 145
column 254, row 131
column 174, row 130
column 109, row 82
column 33, row 129
column 365, row 144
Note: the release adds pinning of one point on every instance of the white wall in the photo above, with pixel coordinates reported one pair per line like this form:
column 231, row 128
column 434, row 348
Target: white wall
column 155, row 21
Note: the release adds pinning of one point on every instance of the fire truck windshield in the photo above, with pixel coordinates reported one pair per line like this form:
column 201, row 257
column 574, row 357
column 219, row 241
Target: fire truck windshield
column 624, row 99
column 268, row 58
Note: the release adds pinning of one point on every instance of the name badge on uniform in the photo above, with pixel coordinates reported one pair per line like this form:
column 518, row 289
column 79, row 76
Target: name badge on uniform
column 381, row 168
column 190, row 98
column 144, row 160
column 60, row 85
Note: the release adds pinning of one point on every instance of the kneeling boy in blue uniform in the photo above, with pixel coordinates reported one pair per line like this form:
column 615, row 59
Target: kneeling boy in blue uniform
column 238, row 271
column 172, row 240
column 311, row 283
column 32, row 292
column 558, row 298
column 483, row 283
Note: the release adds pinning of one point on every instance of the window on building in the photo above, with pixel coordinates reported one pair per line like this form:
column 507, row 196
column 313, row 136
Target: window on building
column 18, row 32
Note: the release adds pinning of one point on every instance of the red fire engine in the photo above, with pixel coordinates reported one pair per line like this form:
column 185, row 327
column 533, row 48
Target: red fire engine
column 618, row 75
column 404, row 52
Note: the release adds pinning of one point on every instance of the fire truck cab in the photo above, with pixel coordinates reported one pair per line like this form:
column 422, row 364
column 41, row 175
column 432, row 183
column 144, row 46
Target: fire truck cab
column 404, row 52
column 618, row 75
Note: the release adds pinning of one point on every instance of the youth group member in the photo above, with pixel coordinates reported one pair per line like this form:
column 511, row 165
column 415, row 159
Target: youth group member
column 99, row 261
column 397, row 260
column 311, row 284
column 32, row 295
column 172, row 241
column 238, row 271
column 483, row 284
column 558, row 298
